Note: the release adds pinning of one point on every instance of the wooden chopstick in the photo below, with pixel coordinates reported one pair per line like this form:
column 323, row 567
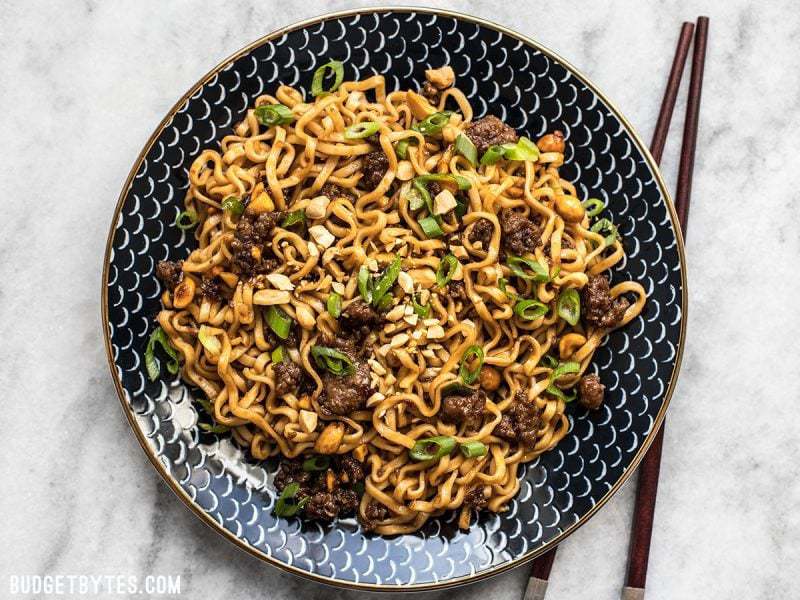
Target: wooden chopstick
column 540, row 570
column 647, row 489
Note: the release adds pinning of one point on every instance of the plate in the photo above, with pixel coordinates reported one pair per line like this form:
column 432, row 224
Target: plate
column 533, row 90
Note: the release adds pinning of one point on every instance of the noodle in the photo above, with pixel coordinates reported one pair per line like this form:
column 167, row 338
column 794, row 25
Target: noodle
column 218, row 317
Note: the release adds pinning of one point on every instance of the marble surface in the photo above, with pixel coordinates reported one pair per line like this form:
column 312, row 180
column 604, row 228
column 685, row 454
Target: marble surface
column 83, row 86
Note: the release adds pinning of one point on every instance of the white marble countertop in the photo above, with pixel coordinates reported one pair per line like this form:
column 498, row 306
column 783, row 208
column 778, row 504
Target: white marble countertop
column 83, row 86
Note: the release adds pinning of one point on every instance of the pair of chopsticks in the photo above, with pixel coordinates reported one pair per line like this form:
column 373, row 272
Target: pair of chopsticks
column 647, row 488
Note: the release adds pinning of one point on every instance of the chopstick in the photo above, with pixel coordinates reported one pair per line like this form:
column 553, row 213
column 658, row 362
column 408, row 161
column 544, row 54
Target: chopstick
column 540, row 569
column 647, row 489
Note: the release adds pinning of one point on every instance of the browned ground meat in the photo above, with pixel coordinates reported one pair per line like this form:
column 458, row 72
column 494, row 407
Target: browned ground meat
column 482, row 232
column 430, row 92
column 374, row 166
column 291, row 471
column 520, row 422
column 590, row 391
column 322, row 507
column 287, row 377
column 475, row 499
column 520, row 234
column 375, row 512
column 333, row 191
column 343, row 395
column 170, row 272
column 357, row 321
column 291, row 340
column 490, row 131
column 349, row 469
column 457, row 291
column 252, row 233
column 464, row 409
column 211, row 289
column 599, row 308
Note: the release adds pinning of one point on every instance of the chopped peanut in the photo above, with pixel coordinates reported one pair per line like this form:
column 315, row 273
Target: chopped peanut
column 329, row 440
column 443, row 77
column 184, row 293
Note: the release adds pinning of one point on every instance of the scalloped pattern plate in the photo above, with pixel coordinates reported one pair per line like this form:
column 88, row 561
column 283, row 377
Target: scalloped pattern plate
column 535, row 92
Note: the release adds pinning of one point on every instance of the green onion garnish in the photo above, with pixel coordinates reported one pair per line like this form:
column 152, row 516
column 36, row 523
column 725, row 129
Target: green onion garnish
column 333, row 360
column 274, row 114
column 524, row 149
column 334, row 305
column 473, row 449
column 233, row 205
column 434, row 123
column 569, row 306
column 386, row 281
column 530, row 310
column 316, row 463
column 159, row 336
column 279, row 322
column 502, row 283
column 337, row 70
column 548, row 361
column 430, row 227
column 365, row 284
column 516, row 263
column 607, row 227
column 293, row 218
column 593, row 206
column 215, row 428
column 416, row 198
column 470, row 376
column 186, row 219
column 559, row 393
column 278, row 355
column 447, row 268
column 432, row 448
column 492, row 155
column 361, row 130
column 560, row 370
column 401, row 149
column 462, row 182
column 422, row 311
column 286, row 506
column 384, row 303
column 466, row 148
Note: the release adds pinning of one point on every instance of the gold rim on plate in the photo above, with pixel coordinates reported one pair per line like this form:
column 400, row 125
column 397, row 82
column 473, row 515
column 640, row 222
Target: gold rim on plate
column 521, row 560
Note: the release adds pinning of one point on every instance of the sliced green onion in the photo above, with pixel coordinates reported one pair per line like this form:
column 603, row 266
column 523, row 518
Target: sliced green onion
column 502, row 283
column 316, row 463
column 386, row 281
column 361, row 130
column 492, row 155
column 233, row 205
column 421, row 188
column 401, row 149
column 215, row 428
column 286, row 506
column 559, row 393
column 415, row 198
column 365, row 284
column 432, row 448
column 333, row 360
column 186, row 219
column 278, row 355
column 473, row 449
column 466, row 148
column 470, row 376
column 461, row 207
column 516, row 263
column 384, row 303
column 334, row 305
column 159, row 337
column 337, row 70
column 530, row 310
column 434, row 123
column 459, row 180
column 607, row 227
column 565, row 368
column 447, row 268
column 430, row 227
column 593, row 206
column 548, row 361
column 279, row 322
column 422, row 311
column 206, row 405
column 293, row 218
column 209, row 340
column 524, row 149
column 569, row 306
column 274, row 114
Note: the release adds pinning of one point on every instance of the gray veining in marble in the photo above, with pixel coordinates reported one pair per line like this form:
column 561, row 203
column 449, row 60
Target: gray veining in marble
column 84, row 84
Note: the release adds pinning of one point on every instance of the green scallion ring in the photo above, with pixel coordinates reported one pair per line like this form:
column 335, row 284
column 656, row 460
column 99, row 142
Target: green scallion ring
column 492, row 155
column 432, row 448
column 274, row 114
column 316, row 463
column 278, row 355
column 333, row 360
column 569, row 306
column 434, row 123
column 336, row 68
column 279, row 322
column 361, row 130
column 593, row 206
column 293, row 218
column 386, row 281
column 565, row 368
column 430, row 227
column 515, row 263
column 401, row 149
column 446, row 269
column 473, row 449
column 334, row 305
column 286, row 506
column 186, row 219
column 422, row 311
column 530, row 310
column 466, row 148
column 524, row 149
column 233, row 205
column 159, row 337
column 470, row 376
column 365, row 284
column 607, row 227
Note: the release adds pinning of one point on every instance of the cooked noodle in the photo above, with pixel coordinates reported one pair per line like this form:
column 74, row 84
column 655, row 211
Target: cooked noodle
column 411, row 363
